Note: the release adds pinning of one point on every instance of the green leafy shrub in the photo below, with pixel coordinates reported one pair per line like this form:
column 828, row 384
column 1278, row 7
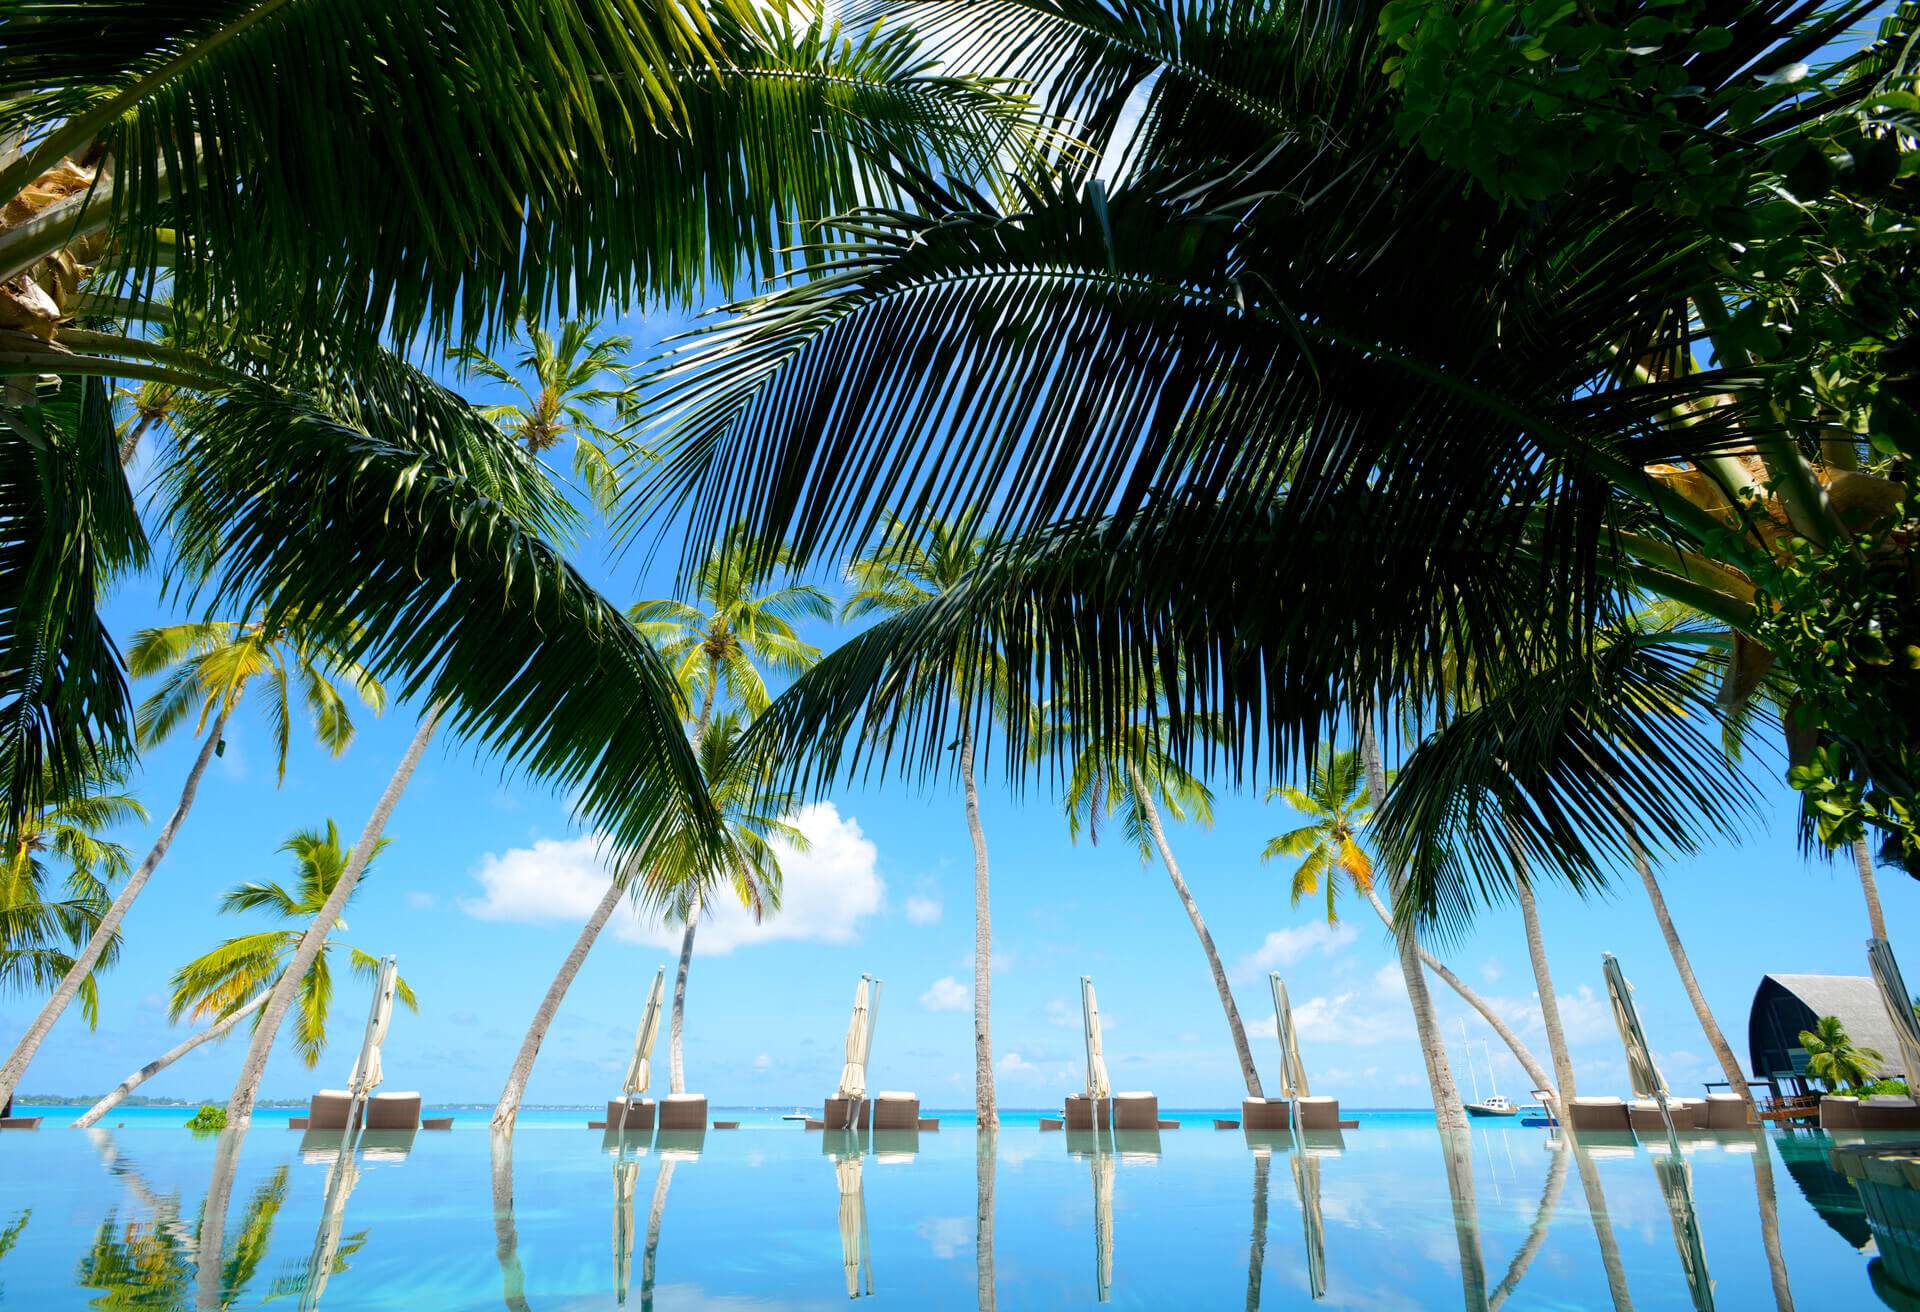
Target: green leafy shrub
column 208, row 1118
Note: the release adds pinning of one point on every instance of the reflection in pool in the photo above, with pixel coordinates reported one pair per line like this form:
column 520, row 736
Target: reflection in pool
column 772, row 1216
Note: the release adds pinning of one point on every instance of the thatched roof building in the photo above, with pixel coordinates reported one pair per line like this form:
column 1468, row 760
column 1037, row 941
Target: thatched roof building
column 1784, row 1005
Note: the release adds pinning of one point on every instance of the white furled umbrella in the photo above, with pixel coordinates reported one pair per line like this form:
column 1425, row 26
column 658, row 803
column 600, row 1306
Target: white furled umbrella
column 1102, row 1164
column 853, row 1075
column 1293, row 1071
column 1899, row 1005
column 854, row 1255
column 367, row 1074
column 1098, row 1085
column 640, row 1069
column 625, row 1174
column 1676, row 1187
column 1642, row 1073
column 1306, row 1183
column 341, row 1177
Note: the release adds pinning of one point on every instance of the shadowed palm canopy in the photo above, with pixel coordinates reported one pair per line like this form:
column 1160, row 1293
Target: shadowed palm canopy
column 1268, row 410
column 245, row 200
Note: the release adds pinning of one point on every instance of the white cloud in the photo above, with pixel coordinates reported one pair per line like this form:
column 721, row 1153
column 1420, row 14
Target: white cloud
column 924, row 910
column 1375, row 1014
column 764, row 1062
column 1014, row 1064
column 1283, row 947
column 419, row 900
column 1490, row 970
column 1000, row 962
column 826, row 890
column 1060, row 1014
column 946, row 1236
column 947, row 994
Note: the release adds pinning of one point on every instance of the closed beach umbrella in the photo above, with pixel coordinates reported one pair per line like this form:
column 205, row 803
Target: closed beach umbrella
column 1899, row 1005
column 625, row 1174
column 1102, row 1164
column 640, row 1069
column 1293, row 1071
column 367, row 1074
column 853, row 1075
column 1641, row 1072
column 853, row 1223
column 1098, row 1085
column 1306, row 1182
column 341, row 1178
column 1676, row 1186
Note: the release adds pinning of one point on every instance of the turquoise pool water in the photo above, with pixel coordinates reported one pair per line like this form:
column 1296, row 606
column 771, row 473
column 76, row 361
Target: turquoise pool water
column 773, row 1216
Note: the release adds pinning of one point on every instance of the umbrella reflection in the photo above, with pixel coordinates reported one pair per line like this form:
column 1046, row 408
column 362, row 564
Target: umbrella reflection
column 1306, row 1183
column 856, row 1258
column 625, row 1175
column 1676, row 1188
column 1257, row 1248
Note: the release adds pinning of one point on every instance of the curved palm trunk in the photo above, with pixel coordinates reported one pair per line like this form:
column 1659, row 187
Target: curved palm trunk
column 656, row 1210
column 1248, row 1071
column 676, row 1063
column 1521, row 1053
column 506, row 1235
column 1448, row 1112
column 1542, row 977
column 986, row 1113
column 240, row 1106
column 109, row 926
column 214, row 1031
column 1863, row 858
column 1537, row 1235
column 508, row 1109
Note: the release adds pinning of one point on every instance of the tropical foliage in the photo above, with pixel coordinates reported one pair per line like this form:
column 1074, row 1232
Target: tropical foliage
column 1834, row 1058
column 1276, row 417
column 218, row 983
column 1328, row 845
column 56, row 885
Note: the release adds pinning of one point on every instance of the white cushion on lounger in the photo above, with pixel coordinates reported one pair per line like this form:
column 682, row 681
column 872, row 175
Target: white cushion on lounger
column 896, row 1097
column 1133, row 1095
column 686, row 1097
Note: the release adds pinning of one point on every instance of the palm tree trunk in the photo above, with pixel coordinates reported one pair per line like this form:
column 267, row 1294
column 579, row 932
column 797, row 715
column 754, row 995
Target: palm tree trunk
column 1248, row 1071
column 508, row 1110
column 1542, row 977
column 210, row 1268
column 131, row 442
column 986, row 1147
column 216, row 1030
column 1456, row 1148
column 986, row 1113
column 240, row 1105
column 676, row 1062
column 1257, row 1244
column 1537, row 1235
column 1521, row 1053
column 1448, row 1112
column 1863, row 858
column 1610, row 1262
column 656, row 1210
column 506, row 1235
column 109, row 926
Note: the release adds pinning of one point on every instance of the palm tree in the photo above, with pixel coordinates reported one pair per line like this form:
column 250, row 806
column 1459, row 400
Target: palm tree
column 171, row 160
column 908, row 570
column 1134, row 773
column 1833, row 1056
column 41, row 929
column 734, row 627
column 559, row 381
column 234, row 980
column 209, row 665
column 1339, row 805
column 680, row 872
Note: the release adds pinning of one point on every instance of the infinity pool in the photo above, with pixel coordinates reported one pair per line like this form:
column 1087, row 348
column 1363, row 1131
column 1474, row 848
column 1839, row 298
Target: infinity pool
column 773, row 1216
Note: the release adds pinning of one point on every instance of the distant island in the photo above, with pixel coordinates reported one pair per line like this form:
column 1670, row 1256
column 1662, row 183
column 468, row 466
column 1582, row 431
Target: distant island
column 88, row 1100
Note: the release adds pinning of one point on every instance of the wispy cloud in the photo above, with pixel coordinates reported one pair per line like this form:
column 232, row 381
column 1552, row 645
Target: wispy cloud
column 947, row 994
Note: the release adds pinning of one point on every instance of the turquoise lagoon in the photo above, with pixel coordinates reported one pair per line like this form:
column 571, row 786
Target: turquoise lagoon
column 774, row 1216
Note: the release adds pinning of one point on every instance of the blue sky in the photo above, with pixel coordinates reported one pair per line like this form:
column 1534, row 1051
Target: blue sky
column 486, row 883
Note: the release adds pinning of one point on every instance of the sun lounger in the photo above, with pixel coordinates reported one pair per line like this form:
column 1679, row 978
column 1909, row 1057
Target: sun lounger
column 640, row 1113
column 814, row 1125
column 1605, row 1113
column 1136, row 1111
column 683, row 1111
column 1319, row 1113
column 437, row 1123
column 1084, row 1113
column 1644, row 1114
column 847, row 1113
column 726, row 1125
column 1219, row 1124
column 383, row 1111
column 927, row 1123
column 1839, row 1112
column 896, row 1111
column 1724, row 1111
column 1052, row 1123
column 1264, row 1113
column 1889, row 1112
column 20, row 1122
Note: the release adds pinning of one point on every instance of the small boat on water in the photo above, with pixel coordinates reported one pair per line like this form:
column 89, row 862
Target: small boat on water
column 796, row 1115
column 1494, row 1104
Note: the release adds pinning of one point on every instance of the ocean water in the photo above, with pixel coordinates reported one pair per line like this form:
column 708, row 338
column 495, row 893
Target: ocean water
column 1386, row 1216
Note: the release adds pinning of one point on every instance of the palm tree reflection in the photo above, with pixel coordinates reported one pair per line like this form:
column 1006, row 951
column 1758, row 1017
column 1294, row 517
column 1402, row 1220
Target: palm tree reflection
column 1537, row 1234
column 506, row 1236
